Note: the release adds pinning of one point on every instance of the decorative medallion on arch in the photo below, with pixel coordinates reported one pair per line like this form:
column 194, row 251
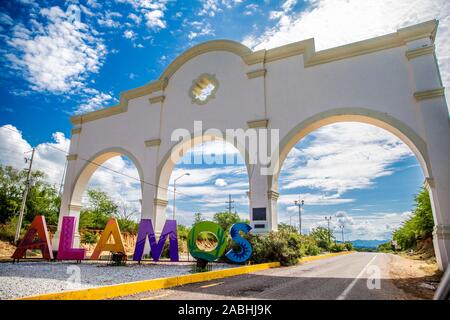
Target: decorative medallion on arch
column 203, row 88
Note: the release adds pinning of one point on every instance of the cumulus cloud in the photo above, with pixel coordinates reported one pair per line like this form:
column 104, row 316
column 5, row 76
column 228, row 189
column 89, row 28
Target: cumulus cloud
column 47, row 158
column 220, row 183
column 337, row 22
column 96, row 100
column 343, row 157
column 50, row 158
column 57, row 55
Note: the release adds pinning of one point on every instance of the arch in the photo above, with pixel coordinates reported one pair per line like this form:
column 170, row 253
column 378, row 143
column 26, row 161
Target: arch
column 168, row 161
column 86, row 172
column 213, row 45
column 379, row 119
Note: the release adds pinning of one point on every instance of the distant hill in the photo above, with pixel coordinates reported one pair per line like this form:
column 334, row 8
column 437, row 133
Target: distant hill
column 367, row 243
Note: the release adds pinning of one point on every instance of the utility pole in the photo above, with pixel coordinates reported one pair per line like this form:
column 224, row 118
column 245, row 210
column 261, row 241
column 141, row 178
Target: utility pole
column 299, row 204
column 229, row 202
column 342, row 230
column 24, row 198
column 328, row 219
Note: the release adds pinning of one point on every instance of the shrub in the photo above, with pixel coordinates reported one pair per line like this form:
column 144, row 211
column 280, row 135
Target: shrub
column 282, row 246
column 309, row 246
column 89, row 237
column 337, row 247
column 8, row 230
column 349, row 246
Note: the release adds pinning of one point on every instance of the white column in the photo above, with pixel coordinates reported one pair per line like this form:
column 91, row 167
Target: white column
column 433, row 119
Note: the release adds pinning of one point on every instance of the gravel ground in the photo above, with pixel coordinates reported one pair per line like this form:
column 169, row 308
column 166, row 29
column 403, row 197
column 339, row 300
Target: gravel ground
column 32, row 278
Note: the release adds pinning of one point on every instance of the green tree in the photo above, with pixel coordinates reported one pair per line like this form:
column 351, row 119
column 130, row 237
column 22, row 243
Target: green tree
column 100, row 208
column 42, row 198
column 198, row 217
column 323, row 237
column 419, row 225
column 226, row 219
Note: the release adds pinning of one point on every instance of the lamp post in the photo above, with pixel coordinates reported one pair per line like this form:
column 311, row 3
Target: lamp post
column 328, row 219
column 299, row 204
column 175, row 191
column 342, row 230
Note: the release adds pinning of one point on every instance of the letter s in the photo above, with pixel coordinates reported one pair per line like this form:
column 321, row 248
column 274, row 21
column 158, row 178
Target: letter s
column 246, row 248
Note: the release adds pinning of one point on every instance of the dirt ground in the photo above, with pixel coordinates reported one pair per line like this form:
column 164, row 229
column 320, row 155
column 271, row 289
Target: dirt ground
column 417, row 277
column 6, row 250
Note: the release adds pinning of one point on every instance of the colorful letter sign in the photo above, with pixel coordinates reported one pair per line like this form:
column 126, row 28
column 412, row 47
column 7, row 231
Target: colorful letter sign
column 246, row 248
column 65, row 250
column 111, row 229
column 146, row 229
column 206, row 226
column 35, row 238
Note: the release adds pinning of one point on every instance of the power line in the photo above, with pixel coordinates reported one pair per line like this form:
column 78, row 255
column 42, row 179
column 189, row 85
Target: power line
column 107, row 168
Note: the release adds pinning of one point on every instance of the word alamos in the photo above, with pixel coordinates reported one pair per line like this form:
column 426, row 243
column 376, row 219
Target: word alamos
column 37, row 238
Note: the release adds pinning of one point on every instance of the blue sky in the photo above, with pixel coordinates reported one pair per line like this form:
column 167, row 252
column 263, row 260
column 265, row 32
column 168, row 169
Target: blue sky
column 53, row 66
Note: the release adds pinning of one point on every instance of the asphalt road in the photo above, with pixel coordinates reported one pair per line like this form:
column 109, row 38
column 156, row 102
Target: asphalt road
column 354, row 276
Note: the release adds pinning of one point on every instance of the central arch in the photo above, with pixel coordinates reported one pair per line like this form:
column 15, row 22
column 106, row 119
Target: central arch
column 179, row 149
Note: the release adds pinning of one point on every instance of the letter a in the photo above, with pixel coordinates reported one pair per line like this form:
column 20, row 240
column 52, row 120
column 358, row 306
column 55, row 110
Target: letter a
column 65, row 250
column 146, row 229
column 112, row 228
column 37, row 228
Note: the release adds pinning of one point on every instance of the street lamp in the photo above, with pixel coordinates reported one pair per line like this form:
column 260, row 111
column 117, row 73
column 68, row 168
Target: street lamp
column 175, row 190
column 328, row 219
column 300, row 209
column 342, row 230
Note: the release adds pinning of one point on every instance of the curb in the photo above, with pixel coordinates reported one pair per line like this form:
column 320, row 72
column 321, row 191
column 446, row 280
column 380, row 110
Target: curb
column 129, row 288
column 324, row 256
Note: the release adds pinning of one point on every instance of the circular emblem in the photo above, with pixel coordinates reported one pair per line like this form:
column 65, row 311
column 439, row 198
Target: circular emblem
column 203, row 88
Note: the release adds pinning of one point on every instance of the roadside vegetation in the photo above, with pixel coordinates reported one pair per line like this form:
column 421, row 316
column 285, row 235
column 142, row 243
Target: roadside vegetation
column 416, row 232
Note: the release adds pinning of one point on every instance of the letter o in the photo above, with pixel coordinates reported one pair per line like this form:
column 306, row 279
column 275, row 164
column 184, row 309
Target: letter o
column 206, row 226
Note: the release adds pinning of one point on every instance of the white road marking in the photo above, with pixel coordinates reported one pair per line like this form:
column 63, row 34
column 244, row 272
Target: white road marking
column 347, row 290
column 156, row 297
column 211, row 285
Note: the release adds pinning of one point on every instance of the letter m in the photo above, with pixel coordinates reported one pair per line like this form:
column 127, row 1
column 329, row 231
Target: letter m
column 146, row 230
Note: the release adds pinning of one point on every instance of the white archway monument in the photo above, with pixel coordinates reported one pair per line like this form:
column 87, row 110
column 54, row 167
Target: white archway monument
column 391, row 81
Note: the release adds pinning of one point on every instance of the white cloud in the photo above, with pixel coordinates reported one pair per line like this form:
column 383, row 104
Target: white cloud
column 336, row 22
column 57, row 55
column 220, row 183
column 155, row 19
column 49, row 159
column 137, row 19
column 96, row 101
column 342, row 157
column 129, row 34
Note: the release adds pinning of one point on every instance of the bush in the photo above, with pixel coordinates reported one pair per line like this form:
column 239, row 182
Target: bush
column 282, row 246
column 337, row 247
column 309, row 246
column 89, row 237
column 349, row 246
column 8, row 230
column 129, row 226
